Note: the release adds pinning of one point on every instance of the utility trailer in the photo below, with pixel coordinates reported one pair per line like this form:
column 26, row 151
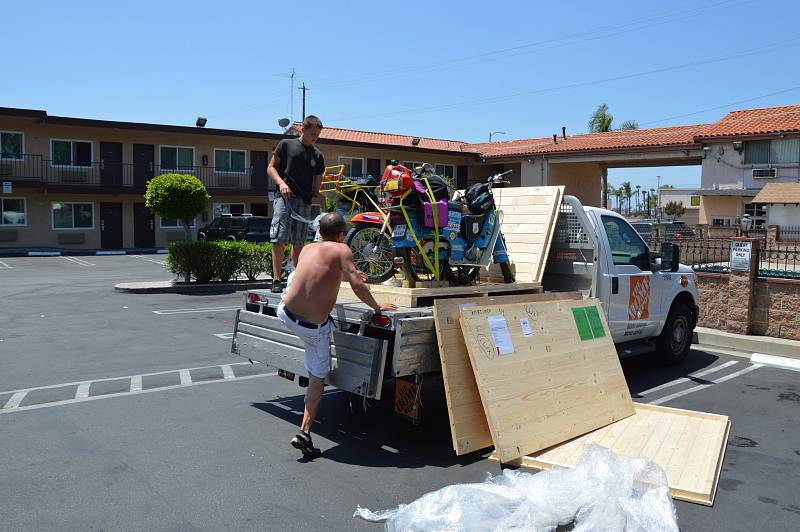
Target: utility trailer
column 649, row 299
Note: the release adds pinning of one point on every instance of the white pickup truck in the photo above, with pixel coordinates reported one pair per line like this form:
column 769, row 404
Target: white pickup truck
column 649, row 299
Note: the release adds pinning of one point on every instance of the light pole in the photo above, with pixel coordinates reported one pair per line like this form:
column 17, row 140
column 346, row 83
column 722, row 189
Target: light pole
column 495, row 133
column 658, row 199
column 638, row 199
column 652, row 194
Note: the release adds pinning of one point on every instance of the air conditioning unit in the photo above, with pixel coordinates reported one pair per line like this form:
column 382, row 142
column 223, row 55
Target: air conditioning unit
column 764, row 173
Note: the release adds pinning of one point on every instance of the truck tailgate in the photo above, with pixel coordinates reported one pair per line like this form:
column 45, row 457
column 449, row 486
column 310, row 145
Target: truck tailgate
column 357, row 362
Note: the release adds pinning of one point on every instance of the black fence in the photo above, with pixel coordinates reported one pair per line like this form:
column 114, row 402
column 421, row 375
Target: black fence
column 33, row 169
column 779, row 260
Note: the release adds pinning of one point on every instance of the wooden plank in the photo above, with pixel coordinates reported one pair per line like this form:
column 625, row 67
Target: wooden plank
column 560, row 377
column 468, row 425
column 413, row 297
column 689, row 446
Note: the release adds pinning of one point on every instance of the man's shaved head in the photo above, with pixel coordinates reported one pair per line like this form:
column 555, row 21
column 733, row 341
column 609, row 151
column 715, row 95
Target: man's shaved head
column 330, row 225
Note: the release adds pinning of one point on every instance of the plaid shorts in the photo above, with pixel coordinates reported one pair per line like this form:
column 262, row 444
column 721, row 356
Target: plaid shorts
column 285, row 229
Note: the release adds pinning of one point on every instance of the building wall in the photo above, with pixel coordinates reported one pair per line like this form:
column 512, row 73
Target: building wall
column 778, row 214
column 719, row 206
column 723, row 167
column 684, row 196
column 582, row 180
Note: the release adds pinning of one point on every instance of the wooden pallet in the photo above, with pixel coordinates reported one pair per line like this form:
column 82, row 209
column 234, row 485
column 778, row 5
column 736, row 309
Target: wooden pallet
column 468, row 426
column 529, row 219
column 689, row 446
column 419, row 297
column 559, row 377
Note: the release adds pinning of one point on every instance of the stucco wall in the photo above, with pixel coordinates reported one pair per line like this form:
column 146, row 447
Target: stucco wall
column 719, row 206
column 725, row 167
column 783, row 214
column 582, row 180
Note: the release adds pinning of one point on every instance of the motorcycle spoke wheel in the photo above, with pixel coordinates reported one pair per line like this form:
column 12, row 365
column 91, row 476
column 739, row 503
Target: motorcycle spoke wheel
column 372, row 253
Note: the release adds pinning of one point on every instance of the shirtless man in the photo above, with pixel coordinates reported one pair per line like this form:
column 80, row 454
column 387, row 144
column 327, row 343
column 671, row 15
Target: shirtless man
column 305, row 309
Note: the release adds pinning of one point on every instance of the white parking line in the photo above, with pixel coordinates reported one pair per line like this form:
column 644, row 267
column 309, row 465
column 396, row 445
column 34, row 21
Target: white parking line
column 137, row 392
column 15, row 400
column 83, row 390
column 775, row 361
column 192, row 310
column 148, row 259
column 227, row 372
column 136, row 383
column 76, row 260
column 706, row 385
column 4, row 265
column 688, row 378
column 186, row 377
column 224, row 336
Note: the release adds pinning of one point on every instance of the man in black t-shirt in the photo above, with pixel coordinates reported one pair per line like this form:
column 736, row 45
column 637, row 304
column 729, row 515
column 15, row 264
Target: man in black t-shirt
column 295, row 167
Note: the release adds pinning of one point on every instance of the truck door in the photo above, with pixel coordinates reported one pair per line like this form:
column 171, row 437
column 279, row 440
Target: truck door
column 630, row 298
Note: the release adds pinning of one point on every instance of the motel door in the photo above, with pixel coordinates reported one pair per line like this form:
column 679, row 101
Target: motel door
column 111, row 225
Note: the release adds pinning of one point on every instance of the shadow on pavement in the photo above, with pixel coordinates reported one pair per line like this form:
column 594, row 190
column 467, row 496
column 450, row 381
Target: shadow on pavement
column 644, row 372
column 378, row 438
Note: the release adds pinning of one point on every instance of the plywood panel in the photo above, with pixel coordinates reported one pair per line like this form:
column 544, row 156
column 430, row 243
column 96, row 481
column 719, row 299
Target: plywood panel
column 413, row 297
column 557, row 378
column 689, row 446
column 529, row 215
column 468, row 425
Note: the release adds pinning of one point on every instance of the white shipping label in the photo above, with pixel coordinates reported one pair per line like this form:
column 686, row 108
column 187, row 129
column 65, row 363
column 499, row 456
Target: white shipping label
column 399, row 231
column 501, row 335
column 526, row 327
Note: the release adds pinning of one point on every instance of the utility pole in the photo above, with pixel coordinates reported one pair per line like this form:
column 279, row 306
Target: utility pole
column 658, row 199
column 303, row 89
column 291, row 97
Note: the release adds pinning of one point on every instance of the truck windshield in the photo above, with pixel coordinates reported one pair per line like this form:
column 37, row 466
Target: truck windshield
column 627, row 247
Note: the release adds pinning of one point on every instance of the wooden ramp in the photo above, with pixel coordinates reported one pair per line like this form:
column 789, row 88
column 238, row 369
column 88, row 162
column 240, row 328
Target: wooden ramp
column 468, row 425
column 416, row 297
column 546, row 372
column 689, row 446
column 529, row 219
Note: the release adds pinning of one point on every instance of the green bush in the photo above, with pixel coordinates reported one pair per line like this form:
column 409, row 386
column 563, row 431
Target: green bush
column 256, row 259
column 229, row 259
column 176, row 197
column 222, row 259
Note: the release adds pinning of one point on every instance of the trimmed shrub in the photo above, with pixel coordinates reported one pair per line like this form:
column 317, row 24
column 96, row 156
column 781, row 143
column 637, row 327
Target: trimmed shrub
column 222, row 259
column 229, row 259
column 256, row 259
column 176, row 197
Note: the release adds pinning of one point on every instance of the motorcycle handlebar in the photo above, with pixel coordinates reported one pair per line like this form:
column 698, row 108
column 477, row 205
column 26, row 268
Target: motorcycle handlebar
column 496, row 178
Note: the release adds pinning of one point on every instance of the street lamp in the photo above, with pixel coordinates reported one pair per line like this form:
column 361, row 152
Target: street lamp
column 658, row 199
column 747, row 224
column 638, row 199
column 652, row 194
column 495, row 133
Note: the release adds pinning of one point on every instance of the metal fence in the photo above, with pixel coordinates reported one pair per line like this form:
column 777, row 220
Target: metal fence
column 789, row 233
column 779, row 260
column 706, row 255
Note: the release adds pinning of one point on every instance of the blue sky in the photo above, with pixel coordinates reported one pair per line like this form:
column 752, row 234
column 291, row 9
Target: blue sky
column 455, row 70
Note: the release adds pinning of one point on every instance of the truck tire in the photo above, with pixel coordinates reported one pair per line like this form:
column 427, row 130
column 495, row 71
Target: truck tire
column 675, row 340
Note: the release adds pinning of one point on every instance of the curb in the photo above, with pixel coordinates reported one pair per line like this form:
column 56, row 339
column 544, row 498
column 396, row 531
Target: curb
column 17, row 252
column 168, row 287
column 748, row 344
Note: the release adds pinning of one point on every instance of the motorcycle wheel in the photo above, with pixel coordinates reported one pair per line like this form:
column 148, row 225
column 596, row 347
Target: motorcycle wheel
column 414, row 265
column 508, row 275
column 372, row 252
column 462, row 275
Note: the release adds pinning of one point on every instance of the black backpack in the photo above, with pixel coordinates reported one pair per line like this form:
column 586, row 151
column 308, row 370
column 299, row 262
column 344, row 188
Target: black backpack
column 479, row 198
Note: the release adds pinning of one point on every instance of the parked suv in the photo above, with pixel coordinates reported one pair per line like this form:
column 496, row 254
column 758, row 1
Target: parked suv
column 236, row 227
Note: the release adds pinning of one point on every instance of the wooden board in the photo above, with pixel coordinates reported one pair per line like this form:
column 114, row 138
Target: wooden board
column 468, row 426
column 689, row 446
column 414, row 297
column 561, row 378
column 529, row 217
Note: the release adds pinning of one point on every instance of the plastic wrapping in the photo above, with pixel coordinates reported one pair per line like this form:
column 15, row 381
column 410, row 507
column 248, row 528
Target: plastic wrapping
column 601, row 493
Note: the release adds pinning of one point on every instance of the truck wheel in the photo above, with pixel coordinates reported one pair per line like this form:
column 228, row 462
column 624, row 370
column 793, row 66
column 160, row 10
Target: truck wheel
column 675, row 340
column 508, row 275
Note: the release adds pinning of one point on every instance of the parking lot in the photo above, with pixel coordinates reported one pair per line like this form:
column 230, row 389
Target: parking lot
column 128, row 412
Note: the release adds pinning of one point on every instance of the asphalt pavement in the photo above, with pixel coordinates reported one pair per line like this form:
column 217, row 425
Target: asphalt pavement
column 128, row 412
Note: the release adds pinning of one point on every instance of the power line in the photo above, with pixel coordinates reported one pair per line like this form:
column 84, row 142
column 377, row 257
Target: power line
column 735, row 55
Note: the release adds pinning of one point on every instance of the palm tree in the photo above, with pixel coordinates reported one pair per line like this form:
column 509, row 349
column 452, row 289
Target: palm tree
column 619, row 193
column 627, row 192
column 600, row 122
column 629, row 124
column 638, row 198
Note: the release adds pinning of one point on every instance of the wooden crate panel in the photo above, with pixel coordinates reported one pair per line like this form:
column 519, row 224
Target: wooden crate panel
column 413, row 297
column 546, row 371
column 468, row 426
column 689, row 446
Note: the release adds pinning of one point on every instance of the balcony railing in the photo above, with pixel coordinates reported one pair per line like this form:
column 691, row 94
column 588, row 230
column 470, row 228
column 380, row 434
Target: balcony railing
column 35, row 170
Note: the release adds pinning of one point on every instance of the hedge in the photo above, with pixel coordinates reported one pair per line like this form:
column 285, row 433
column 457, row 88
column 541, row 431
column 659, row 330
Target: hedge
column 221, row 259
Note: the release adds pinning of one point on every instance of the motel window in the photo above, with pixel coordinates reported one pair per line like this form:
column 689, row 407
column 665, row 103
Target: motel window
column 13, row 211
column 229, row 161
column 448, row 172
column 166, row 223
column 412, row 165
column 11, row 145
column 228, row 208
column 73, row 215
column 353, row 166
column 778, row 151
column 71, row 152
column 720, row 222
column 755, row 209
column 177, row 158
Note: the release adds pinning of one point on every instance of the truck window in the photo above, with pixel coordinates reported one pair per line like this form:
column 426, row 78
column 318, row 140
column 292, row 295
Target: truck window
column 627, row 246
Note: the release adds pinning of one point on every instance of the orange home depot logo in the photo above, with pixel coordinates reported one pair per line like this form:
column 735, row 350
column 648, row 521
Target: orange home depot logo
column 639, row 300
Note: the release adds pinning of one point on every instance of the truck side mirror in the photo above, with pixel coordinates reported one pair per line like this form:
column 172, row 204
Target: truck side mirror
column 670, row 257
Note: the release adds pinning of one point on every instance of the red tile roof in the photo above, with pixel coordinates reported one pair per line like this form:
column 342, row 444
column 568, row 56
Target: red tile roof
column 390, row 139
column 612, row 140
column 754, row 122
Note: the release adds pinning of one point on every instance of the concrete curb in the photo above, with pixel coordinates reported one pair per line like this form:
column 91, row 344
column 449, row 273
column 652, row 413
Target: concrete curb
column 57, row 252
column 749, row 344
column 170, row 287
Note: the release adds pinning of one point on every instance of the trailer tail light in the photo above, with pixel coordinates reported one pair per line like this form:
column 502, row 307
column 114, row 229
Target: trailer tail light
column 381, row 321
column 254, row 298
column 398, row 261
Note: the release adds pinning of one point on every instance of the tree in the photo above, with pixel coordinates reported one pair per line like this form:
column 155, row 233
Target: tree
column 667, row 186
column 627, row 192
column 600, row 122
column 177, row 197
column 675, row 209
column 629, row 124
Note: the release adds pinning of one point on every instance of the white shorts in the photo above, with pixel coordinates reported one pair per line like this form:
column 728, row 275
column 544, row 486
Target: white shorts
column 317, row 343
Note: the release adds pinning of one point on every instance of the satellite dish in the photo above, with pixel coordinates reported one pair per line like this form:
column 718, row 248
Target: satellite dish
column 283, row 122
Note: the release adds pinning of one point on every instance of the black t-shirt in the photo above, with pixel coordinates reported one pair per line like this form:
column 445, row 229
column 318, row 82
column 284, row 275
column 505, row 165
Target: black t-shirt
column 298, row 166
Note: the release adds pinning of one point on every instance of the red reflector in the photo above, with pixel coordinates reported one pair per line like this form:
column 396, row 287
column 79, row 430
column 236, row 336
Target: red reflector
column 254, row 298
column 381, row 321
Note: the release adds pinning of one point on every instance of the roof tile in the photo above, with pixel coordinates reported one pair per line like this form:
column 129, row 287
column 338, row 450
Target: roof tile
column 779, row 193
column 754, row 122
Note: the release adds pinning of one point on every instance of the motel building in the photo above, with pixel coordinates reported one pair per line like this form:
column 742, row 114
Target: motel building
column 78, row 184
